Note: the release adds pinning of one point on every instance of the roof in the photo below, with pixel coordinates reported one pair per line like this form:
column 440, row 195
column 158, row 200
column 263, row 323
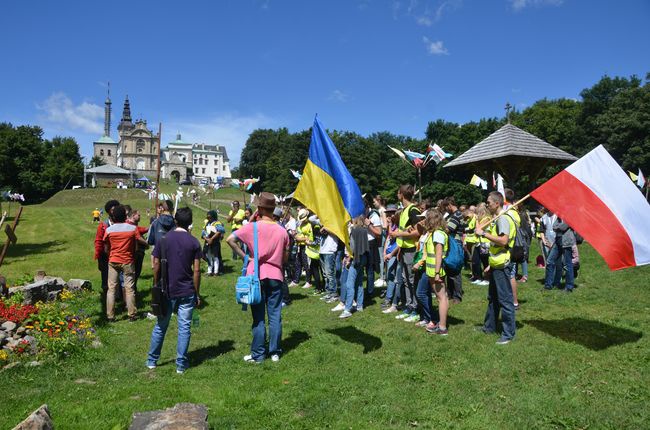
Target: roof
column 179, row 141
column 511, row 141
column 108, row 169
column 106, row 139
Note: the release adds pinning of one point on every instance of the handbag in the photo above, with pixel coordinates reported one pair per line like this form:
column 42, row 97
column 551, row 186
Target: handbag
column 159, row 292
column 247, row 290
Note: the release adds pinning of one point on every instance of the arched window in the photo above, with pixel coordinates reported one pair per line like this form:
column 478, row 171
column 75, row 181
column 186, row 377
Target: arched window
column 101, row 152
column 139, row 145
column 109, row 152
column 140, row 164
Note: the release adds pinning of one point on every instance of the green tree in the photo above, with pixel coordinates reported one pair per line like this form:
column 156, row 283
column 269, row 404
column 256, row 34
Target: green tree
column 96, row 161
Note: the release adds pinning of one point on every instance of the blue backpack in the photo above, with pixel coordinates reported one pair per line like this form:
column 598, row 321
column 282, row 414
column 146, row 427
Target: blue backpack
column 455, row 258
column 247, row 290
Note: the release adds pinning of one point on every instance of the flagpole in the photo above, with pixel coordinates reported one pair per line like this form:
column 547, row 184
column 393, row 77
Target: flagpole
column 523, row 199
column 155, row 207
column 420, row 185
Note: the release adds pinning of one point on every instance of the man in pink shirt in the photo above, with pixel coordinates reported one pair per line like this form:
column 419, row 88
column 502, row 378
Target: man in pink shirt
column 273, row 252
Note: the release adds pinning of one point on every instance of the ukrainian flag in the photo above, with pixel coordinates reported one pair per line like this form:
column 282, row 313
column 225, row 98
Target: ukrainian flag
column 326, row 187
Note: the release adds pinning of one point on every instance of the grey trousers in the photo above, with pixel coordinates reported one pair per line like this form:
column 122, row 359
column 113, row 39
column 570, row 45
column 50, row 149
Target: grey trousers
column 408, row 276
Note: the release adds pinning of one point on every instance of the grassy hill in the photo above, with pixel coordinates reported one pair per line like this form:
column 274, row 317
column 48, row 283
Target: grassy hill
column 579, row 360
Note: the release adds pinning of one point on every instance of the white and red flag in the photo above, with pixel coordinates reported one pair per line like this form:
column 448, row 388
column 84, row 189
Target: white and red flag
column 596, row 198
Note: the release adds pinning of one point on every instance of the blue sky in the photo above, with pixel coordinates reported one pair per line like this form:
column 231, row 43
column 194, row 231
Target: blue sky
column 216, row 70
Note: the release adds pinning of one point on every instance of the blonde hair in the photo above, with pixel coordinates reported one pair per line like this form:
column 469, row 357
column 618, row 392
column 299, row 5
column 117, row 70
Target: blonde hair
column 435, row 221
column 482, row 211
column 359, row 221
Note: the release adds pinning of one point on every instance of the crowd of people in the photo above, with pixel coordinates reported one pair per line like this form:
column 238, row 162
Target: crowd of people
column 398, row 252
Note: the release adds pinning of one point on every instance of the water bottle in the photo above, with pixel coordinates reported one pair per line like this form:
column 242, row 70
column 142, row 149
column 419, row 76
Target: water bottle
column 195, row 319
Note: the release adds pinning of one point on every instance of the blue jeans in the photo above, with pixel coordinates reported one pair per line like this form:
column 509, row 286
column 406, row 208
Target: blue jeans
column 184, row 317
column 558, row 258
column 423, row 294
column 355, row 281
column 370, row 275
column 272, row 303
column 393, row 280
column 329, row 272
column 343, row 280
column 500, row 299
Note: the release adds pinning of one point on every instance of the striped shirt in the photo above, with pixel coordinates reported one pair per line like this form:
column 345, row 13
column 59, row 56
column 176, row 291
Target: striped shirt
column 121, row 239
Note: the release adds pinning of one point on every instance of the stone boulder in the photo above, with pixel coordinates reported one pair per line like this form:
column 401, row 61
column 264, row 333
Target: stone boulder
column 39, row 420
column 8, row 326
column 39, row 290
column 79, row 284
column 183, row 416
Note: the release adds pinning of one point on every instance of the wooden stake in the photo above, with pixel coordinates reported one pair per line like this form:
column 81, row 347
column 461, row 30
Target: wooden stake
column 13, row 229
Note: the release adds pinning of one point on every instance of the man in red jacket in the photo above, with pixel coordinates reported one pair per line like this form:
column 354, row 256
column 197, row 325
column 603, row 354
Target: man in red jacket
column 100, row 255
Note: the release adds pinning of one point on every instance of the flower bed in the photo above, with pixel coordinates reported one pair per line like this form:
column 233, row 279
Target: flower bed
column 57, row 328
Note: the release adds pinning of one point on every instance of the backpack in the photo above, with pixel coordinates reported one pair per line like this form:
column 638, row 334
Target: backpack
column 455, row 258
column 519, row 251
column 579, row 238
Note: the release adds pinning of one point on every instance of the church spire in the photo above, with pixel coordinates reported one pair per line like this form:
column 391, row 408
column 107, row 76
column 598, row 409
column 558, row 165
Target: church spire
column 107, row 113
column 125, row 123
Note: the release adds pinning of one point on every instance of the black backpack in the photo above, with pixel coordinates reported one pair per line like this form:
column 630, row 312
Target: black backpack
column 519, row 250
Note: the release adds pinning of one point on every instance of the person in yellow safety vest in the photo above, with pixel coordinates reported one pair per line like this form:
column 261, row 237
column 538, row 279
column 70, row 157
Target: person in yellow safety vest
column 511, row 268
column 501, row 234
column 471, row 241
column 480, row 252
column 304, row 239
column 236, row 218
column 406, row 235
column 437, row 245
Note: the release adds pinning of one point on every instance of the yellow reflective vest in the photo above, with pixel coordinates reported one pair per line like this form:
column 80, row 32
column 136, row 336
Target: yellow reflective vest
column 431, row 255
column 403, row 221
column 500, row 255
column 237, row 219
column 471, row 238
column 311, row 249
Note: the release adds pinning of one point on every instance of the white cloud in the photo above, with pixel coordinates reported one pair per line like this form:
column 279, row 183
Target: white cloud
column 435, row 47
column 60, row 111
column 230, row 130
column 424, row 21
column 338, row 96
column 518, row 5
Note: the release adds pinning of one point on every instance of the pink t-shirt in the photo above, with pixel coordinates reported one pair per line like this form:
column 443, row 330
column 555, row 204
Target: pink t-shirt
column 272, row 241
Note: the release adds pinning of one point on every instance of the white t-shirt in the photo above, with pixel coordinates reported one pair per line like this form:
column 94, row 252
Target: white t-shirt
column 329, row 245
column 439, row 237
column 291, row 224
column 375, row 221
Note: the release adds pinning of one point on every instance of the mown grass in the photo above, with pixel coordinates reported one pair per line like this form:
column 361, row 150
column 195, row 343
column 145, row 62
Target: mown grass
column 579, row 360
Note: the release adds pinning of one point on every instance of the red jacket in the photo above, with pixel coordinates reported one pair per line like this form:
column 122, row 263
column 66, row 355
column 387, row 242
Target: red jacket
column 99, row 239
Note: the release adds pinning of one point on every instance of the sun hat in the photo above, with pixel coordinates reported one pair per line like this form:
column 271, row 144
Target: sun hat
column 391, row 208
column 265, row 200
column 303, row 214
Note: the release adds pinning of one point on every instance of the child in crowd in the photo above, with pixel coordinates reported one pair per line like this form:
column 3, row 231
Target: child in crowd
column 437, row 245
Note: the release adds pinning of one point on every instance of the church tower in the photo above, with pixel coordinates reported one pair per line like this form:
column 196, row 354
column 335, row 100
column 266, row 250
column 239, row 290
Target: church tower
column 107, row 113
column 125, row 123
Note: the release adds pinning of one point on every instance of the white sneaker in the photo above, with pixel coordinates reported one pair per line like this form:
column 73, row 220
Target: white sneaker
column 345, row 314
column 476, row 281
column 484, row 283
column 151, row 316
column 151, row 366
column 402, row 316
column 380, row 283
column 292, row 284
column 307, row 285
column 389, row 310
column 412, row 318
column 249, row 359
column 275, row 358
column 338, row 307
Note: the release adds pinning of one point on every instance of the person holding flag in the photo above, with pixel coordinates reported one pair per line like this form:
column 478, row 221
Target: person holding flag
column 501, row 234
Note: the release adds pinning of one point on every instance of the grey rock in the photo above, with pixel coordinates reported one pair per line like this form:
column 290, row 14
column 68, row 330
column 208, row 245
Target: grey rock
column 79, row 284
column 8, row 326
column 37, row 291
column 13, row 343
column 59, row 282
column 20, row 330
column 39, row 420
column 3, row 336
column 186, row 416
column 40, row 275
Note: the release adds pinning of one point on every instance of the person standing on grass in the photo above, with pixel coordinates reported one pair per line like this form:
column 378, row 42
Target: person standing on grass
column 212, row 236
column 374, row 263
column 455, row 227
column 273, row 252
column 328, row 247
column 561, row 256
column 96, row 215
column 393, row 271
column 236, row 218
column 511, row 267
column 120, row 240
column 355, row 264
column 406, row 236
column 184, row 282
column 100, row 255
column 161, row 225
column 304, row 235
column 133, row 218
column 436, row 247
column 501, row 234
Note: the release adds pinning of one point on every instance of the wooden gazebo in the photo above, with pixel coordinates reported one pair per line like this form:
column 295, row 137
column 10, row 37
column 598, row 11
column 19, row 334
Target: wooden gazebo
column 512, row 151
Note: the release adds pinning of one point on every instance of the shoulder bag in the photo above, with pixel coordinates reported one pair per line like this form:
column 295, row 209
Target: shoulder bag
column 247, row 290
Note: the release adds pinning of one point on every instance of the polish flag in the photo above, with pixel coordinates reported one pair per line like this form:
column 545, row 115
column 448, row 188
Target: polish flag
column 597, row 199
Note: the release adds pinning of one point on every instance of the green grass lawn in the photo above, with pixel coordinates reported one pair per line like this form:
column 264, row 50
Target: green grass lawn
column 579, row 361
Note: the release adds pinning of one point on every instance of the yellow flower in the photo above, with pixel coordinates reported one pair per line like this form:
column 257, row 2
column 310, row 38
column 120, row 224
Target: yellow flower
column 61, row 323
column 29, row 326
column 44, row 329
column 74, row 320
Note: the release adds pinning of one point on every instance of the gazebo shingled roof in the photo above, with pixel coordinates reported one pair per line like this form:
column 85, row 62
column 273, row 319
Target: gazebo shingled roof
column 511, row 150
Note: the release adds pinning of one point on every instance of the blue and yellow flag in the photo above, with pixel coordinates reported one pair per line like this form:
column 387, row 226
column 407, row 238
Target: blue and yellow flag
column 327, row 188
